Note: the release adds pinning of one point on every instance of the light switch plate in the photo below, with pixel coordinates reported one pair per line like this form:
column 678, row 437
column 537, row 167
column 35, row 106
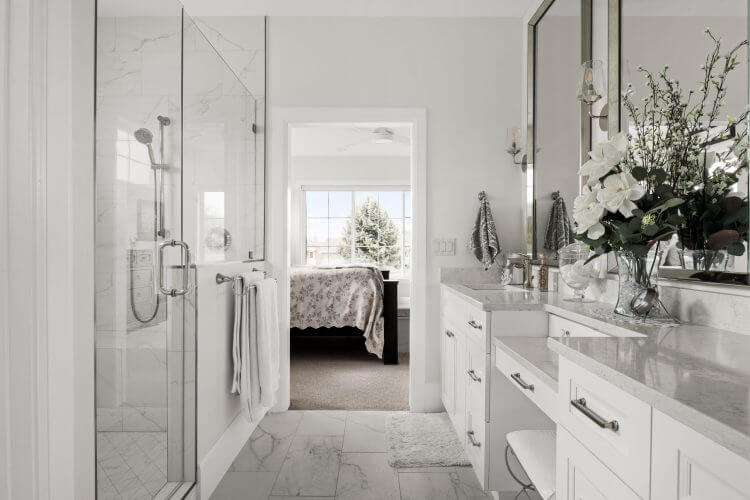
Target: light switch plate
column 444, row 246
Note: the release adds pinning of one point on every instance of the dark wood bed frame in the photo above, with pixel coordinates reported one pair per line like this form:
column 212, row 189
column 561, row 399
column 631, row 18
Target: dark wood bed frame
column 390, row 324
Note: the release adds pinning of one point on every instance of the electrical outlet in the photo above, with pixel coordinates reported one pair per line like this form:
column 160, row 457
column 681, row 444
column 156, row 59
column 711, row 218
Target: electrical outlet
column 445, row 247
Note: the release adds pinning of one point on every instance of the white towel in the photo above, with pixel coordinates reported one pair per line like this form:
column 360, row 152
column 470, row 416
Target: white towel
column 268, row 342
column 246, row 380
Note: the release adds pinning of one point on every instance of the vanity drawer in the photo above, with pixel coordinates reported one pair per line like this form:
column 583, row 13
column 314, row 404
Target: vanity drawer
column 580, row 476
column 612, row 424
column 475, row 378
column 561, row 327
column 476, row 322
column 538, row 392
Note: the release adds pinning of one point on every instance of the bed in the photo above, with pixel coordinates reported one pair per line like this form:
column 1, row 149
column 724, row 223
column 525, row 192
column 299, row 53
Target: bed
column 345, row 302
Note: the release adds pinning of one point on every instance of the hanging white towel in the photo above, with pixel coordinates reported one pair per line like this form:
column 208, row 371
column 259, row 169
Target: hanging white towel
column 268, row 342
column 246, row 380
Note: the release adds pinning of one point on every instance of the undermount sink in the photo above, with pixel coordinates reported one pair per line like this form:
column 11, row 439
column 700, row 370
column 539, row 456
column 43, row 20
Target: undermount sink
column 487, row 286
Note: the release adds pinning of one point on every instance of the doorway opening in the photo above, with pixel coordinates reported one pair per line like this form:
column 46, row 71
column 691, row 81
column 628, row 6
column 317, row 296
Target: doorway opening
column 350, row 250
column 351, row 240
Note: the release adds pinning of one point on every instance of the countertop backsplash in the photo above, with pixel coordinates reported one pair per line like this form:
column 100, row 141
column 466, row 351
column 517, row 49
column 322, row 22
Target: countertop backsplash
column 719, row 306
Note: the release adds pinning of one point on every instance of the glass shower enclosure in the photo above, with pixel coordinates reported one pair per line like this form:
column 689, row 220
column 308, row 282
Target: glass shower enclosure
column 179, row 182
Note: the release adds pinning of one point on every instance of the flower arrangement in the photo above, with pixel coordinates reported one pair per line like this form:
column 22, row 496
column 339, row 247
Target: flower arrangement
column 617, row 210
column 673, row 172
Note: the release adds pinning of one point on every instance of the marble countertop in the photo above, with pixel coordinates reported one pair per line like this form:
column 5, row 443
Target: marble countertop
column 697, row 375
column 534, row 354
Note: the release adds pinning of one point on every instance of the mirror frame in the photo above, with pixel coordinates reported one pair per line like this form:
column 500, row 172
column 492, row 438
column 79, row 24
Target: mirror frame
column 614, row 51
column 530, row 219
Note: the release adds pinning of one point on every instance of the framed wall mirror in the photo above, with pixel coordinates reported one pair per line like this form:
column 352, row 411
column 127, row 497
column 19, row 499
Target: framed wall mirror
column 558, row 124
column 680, row 35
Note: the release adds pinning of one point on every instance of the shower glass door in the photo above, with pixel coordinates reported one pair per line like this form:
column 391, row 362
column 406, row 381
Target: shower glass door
column 179, row 184
column 145, row 343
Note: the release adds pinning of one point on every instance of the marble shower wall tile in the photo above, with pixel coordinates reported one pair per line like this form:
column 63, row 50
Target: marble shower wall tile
column 141, row 34
column 241, row 42
column 144, row 419
column 109, row 387
column 145, row 374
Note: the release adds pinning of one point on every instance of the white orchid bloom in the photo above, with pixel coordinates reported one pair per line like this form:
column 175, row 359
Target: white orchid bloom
column 604, row 157
column 588, row 213
column 619, row 192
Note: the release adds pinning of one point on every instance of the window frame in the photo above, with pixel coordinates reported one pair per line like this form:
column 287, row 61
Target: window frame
column 353, row 189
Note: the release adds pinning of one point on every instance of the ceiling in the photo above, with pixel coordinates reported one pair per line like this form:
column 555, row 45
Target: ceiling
column 429, row 8
column 662, row 8
column 348, row 140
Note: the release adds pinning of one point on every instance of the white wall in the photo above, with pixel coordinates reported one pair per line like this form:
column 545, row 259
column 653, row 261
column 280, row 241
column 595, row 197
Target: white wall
column 465, row 72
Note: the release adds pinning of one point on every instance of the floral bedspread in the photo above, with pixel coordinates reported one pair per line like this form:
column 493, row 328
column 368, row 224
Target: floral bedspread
column 339, row 297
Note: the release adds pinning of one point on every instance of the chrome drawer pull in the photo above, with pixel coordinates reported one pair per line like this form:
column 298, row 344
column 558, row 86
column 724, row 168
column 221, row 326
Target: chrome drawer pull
column 449, row 334
column 475, row 325
column 473, row 376
column 472, row 439
column 521, row 382
column 580, row 405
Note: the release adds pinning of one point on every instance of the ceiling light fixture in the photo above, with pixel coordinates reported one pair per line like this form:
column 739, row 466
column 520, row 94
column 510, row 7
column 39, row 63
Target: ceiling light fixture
column 382, row 135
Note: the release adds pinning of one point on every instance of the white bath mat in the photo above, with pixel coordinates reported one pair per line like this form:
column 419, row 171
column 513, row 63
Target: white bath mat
column 423, row 440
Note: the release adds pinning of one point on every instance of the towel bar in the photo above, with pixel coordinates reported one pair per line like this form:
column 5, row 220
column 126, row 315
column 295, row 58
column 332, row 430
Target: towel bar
column 223, row 278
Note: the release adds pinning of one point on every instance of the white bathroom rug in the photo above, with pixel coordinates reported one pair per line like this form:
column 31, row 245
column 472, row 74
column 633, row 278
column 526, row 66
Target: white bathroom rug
column 423, row 440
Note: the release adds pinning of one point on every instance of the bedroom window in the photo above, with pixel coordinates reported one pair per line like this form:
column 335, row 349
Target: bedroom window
column 351, row 226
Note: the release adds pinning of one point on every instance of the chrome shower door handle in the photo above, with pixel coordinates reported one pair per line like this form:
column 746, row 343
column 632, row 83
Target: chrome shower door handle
column 173, row 292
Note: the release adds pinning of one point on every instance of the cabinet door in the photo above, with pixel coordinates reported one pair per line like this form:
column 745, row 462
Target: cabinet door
column 581, row 476
column 448, row 368
column 687, row 465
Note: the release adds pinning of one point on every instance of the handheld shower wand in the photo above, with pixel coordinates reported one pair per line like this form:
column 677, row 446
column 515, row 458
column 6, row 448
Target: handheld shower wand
column 144, row 136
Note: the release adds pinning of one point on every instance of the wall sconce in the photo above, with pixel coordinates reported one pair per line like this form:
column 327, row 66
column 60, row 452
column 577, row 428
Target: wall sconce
column 513, row 144
column 591, row 87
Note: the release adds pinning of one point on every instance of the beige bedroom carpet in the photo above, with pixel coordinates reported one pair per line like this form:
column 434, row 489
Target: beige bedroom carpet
column 339, row 374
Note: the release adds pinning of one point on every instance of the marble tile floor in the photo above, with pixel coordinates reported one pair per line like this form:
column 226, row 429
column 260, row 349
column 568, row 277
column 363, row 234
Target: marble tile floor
column 130, row 465
column 334, row 454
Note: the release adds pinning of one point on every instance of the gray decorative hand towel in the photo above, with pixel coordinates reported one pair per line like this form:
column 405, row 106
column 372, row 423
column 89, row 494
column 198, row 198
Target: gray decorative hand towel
column 559, row 231
column 484, row 242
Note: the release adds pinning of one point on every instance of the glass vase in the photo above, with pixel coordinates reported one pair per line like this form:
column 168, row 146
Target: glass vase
column 704, row 260
column 637, row 275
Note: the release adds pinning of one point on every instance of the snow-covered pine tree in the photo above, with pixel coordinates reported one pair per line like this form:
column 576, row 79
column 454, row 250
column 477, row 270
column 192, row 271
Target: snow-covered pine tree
column 376, row 236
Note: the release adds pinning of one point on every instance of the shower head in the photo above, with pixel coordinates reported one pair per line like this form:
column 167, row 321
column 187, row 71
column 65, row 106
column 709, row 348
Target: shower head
column 164, row 120
column 144, row 136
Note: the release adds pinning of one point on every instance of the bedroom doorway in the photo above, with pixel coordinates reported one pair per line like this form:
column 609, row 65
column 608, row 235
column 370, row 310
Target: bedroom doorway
column 350, row 247
column 354, row 238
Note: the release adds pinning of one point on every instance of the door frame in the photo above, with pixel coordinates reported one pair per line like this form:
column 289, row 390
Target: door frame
column 278, row 251
column 47, row 60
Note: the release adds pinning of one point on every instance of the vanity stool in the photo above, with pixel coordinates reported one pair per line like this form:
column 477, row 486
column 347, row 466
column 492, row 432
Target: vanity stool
column 535, row 451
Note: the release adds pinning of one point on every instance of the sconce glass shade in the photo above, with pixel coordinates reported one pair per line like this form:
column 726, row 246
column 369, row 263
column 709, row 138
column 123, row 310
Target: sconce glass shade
column 591, row 85
column 513, row 140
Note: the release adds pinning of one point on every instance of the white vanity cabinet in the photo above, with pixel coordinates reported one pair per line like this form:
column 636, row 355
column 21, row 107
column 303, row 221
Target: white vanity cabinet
column 688, row 465
column 464, row 363
column 483, row 406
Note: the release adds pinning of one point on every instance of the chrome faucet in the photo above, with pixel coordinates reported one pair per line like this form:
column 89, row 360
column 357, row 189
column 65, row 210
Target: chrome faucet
column 527, row 274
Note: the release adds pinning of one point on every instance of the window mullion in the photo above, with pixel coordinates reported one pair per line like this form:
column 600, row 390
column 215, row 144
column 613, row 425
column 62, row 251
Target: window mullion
column 353, row 219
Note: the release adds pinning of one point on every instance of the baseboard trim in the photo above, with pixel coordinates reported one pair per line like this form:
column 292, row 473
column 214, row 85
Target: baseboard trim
column 425, row 399
column 218, row 460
